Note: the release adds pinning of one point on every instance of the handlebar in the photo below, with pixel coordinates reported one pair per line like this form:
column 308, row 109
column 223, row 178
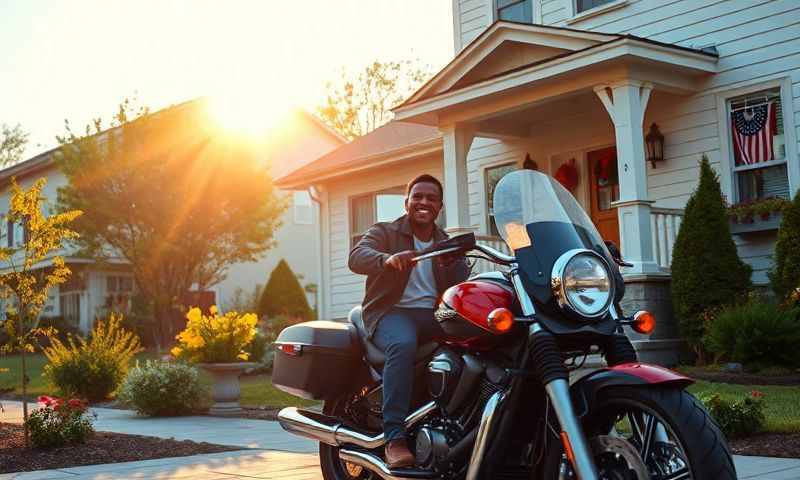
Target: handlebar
column 494, row 255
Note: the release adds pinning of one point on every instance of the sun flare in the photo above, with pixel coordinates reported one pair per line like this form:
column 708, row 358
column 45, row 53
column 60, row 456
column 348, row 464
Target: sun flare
column 251, row 110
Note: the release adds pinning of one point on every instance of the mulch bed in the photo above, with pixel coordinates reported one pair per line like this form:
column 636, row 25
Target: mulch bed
column 103, row 447
column 785, row 445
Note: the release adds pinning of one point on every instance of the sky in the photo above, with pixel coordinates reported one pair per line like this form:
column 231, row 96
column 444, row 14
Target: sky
column 77, row 59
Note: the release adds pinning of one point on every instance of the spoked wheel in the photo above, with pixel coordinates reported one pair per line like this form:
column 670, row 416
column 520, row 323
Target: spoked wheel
column 652, row 433
column 332, row 467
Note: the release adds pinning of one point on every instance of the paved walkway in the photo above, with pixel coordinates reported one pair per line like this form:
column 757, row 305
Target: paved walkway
column 271, row 452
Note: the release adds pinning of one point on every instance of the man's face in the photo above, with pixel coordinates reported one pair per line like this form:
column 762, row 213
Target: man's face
column 423, row 203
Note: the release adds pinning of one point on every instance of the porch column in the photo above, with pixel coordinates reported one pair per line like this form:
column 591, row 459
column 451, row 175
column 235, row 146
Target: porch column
column 456, row 140
column 626, row 102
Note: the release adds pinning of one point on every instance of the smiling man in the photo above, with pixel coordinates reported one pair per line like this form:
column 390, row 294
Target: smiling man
column 400, row 299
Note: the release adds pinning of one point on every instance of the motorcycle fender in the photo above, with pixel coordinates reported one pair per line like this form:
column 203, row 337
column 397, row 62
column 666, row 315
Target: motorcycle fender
column 584, row 392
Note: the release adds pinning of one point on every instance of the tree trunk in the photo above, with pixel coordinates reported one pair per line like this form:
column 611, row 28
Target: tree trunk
column 25, row 396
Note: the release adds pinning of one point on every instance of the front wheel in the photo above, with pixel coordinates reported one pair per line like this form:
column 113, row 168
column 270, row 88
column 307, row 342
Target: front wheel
column 654, row 432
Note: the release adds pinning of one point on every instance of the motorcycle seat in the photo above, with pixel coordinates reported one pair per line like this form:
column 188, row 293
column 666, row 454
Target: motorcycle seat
column 372, row 352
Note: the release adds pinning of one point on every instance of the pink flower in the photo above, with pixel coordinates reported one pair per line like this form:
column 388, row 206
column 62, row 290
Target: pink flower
column 46, row 400
column 756, row 394
column 75, row 403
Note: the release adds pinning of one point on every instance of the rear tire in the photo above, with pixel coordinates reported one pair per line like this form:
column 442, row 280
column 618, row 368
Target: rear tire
column 332, row 467
column 689, row 446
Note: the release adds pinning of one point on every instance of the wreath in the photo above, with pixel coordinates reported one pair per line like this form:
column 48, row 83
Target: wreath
column 567, row 175
column 605, row 170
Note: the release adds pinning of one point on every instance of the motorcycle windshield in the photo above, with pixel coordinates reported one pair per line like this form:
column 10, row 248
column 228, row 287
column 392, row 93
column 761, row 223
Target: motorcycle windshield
column 540, row 220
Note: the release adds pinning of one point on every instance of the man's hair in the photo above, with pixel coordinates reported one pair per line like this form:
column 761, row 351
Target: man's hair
column 425, row 178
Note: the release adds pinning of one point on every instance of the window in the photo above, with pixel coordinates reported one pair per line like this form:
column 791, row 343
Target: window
column 515, row 10
column 301, row 203
column 493, row 175
column 758, row 146
column 71, row 308
column 118, row 292
column 366, row 210
column 583, row 5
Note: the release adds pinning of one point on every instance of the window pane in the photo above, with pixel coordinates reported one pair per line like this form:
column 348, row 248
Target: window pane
column 515, row 12
column 363, row 214
column 493, row 176
column 389, row 206
column 126, row 284
column 763, row 183
column 583, row 5
column 111, row 284
column 302, row 208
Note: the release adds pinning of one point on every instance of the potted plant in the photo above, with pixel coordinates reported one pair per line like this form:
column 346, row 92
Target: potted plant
column 756, row 215
column 219, row 344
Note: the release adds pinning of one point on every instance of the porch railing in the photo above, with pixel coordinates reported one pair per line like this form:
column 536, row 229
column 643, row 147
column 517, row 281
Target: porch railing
column 665, row 223
column 482, row 266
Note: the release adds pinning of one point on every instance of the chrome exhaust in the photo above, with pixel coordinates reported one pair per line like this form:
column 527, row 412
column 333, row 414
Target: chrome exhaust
column 371, row 463
column 330, row 431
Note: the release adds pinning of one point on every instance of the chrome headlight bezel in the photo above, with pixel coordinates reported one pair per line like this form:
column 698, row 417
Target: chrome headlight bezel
column 558, row 286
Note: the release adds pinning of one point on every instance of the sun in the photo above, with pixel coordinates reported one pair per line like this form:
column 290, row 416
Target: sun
column 252, row 111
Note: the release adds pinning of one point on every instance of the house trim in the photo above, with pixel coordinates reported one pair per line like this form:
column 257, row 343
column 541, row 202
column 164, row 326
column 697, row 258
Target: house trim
column 578, row 17
column 616, row 49
column 484, row 195
column 726, row 163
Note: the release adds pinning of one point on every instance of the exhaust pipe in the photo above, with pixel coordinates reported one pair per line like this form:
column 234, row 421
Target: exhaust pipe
column 371, row 463
column 330, row 431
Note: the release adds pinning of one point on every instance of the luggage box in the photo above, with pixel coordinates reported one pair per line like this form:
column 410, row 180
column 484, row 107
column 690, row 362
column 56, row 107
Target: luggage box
column 317, row 360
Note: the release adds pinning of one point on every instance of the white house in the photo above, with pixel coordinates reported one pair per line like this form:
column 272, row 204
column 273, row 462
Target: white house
column 93, row 288
column 548, row 83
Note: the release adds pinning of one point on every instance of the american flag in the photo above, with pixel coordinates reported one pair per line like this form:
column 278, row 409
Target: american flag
column 753, row 129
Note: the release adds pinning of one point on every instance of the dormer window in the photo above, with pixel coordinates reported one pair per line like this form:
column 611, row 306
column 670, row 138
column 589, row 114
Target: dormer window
column 515, row 10
column 584, row 5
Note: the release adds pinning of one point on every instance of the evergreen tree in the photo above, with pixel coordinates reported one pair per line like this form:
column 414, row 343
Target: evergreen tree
column 706, row 270
column 283, row 295
column 785, row 275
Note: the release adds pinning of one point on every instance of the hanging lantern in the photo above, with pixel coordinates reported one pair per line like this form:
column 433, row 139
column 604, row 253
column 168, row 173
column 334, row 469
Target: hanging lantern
column 655, row 145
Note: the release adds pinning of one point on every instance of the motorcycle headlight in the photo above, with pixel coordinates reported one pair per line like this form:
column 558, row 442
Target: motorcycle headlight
column 582, row 283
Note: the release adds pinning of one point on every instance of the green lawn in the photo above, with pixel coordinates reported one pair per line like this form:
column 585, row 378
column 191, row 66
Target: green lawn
column 781, row 403
column 257, row 391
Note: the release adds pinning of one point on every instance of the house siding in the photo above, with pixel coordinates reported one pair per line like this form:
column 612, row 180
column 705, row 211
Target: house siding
column 470, row 18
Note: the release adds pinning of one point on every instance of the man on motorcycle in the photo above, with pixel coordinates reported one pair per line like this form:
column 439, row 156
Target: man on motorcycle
column 400, row 299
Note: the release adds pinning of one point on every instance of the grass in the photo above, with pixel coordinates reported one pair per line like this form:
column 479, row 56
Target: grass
column 781, row 403
column 257, row 391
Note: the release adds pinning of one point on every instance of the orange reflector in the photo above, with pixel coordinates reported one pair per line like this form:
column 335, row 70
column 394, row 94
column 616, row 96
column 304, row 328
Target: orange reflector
column 644, row 322
column 568, row 448
column 500, row 320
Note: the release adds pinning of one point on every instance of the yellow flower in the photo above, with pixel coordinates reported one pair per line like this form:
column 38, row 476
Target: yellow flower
column 243, row 356
column 176, row 352
column 194, row 315
column 213, row 310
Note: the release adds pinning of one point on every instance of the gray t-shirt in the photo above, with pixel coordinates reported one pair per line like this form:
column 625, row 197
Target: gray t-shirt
column 420, row 291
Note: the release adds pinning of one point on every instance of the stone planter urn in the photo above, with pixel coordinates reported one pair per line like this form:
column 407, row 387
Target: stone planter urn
column 226, row 391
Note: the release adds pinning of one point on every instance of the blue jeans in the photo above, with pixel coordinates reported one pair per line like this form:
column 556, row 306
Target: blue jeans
column 398, row 334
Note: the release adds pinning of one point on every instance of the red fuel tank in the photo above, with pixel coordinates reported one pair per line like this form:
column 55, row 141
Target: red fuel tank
column 464, row 309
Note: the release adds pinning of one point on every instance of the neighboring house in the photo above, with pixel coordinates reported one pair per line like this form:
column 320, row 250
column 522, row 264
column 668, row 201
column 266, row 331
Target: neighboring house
column 547, row 83
column 93, row 289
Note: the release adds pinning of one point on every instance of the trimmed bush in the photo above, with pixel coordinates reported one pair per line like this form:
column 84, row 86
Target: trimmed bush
column 739, row 418
column 160, row 389
column 91, row 369
column 757, row 334
column 283, row 295
column 59, row 422
column 785, row 275
column 706, row 270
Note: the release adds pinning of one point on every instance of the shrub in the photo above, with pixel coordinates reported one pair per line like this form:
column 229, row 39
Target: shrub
column 216, row 338
column 93, row 368
column 283, row 295
column 162, row 389
column 739, row 418
column 758, row 334
column 63, row 328
column 706, row 269
column 785, row 275
column 59, row 422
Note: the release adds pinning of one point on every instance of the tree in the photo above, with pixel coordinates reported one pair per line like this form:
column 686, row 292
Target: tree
column 706, row 270
column 172, row 196
column 283, row 295
column 356, row 104
column 785, row 275
column 29, row 271
column 12, row 144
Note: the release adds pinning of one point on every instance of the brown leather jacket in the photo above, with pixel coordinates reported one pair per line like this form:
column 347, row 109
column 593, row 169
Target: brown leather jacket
column 385, row 286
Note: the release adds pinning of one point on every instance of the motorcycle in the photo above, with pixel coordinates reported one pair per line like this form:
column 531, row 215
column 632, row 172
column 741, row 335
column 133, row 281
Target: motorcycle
column 494, row 398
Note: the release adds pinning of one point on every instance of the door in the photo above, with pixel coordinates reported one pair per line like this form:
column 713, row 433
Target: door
column 604, row 189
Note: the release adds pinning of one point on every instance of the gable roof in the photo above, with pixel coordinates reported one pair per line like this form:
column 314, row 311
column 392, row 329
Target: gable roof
column 539, row 44
column 394, row 139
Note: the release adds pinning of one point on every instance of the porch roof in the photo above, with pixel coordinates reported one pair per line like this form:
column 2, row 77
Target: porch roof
column 389, row 143
column 509, row 55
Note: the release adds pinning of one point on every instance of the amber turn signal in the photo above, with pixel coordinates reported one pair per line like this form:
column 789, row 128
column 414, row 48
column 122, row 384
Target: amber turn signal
column 500, row 320
column 644, row 322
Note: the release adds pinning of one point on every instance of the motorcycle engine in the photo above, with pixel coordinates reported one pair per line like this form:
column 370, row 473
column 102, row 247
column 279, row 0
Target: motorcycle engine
column 453, row 379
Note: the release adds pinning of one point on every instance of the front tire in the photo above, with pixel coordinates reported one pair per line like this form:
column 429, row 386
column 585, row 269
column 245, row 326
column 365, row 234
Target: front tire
column 672, row 433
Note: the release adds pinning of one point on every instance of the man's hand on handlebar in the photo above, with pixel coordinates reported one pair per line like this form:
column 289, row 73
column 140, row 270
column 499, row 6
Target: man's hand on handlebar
column 401, row 261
